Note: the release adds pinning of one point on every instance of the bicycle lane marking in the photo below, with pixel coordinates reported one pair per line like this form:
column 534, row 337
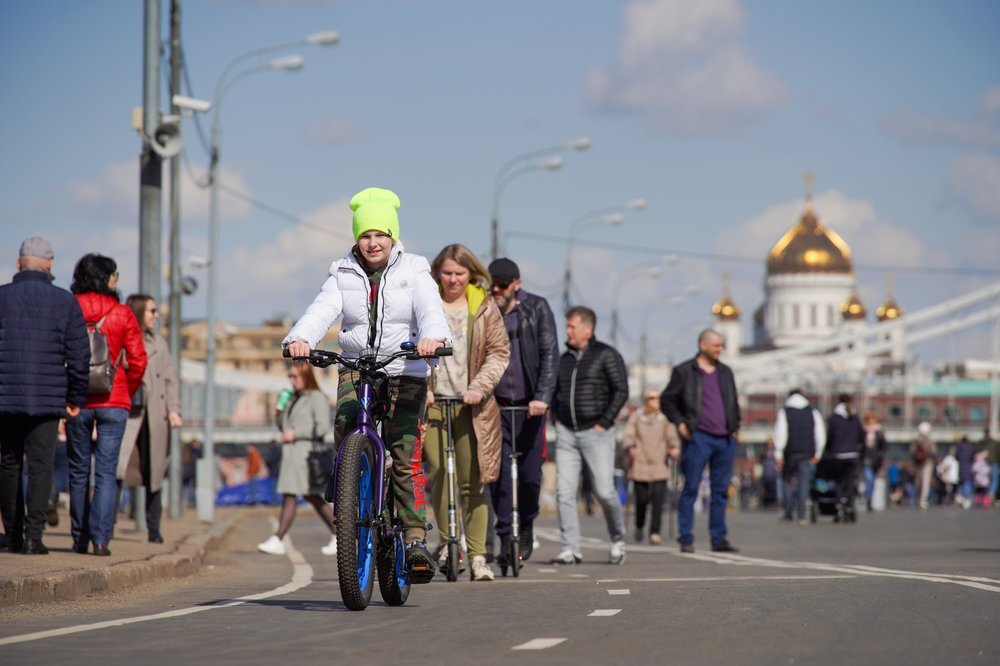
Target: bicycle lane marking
column 985, row 584
column 302, row 576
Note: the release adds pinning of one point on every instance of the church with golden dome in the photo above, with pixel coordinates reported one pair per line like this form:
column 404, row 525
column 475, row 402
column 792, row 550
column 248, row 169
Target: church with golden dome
column 810, row 290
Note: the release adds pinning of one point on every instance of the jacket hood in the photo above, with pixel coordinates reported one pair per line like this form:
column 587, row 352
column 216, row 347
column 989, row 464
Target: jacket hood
column 797, row 401
column 95, row 306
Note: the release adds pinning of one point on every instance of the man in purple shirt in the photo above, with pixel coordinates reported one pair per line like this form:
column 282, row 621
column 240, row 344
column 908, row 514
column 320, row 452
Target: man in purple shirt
column 701, row 401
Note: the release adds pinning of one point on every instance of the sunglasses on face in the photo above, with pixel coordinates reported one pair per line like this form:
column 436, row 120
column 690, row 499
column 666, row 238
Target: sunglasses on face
column 501, row 283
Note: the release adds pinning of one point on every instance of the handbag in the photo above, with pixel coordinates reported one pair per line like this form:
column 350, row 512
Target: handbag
column 320, row 462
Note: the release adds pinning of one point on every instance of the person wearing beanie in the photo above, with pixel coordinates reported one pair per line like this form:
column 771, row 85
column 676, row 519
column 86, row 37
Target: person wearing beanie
column 384, row 296
column 529, row 381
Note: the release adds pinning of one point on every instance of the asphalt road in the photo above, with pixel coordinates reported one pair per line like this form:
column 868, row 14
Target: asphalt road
column 898, row 587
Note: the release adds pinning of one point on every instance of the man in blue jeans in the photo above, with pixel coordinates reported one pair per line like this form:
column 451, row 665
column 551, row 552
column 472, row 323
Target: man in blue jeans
column 701, row 401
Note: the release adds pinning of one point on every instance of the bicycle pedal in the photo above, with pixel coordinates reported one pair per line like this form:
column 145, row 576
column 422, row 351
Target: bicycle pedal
column 420, row 575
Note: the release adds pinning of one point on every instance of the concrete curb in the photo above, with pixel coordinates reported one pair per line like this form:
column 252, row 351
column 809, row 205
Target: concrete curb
column 186, row 560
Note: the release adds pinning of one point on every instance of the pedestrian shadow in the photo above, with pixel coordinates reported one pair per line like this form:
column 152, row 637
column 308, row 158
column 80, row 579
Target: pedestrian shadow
column 979, row 550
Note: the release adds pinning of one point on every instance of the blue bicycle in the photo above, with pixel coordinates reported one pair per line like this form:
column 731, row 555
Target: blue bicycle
column 369, row 533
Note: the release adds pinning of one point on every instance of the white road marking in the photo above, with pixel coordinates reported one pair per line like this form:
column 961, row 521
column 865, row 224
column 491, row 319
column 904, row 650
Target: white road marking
column 607, row 580
column 546, row 570
column 975, row 582
column 710, row 579
column 619, row 592
column 579, row 575
column 605, row 612
column 301, row 577
column 539, row 644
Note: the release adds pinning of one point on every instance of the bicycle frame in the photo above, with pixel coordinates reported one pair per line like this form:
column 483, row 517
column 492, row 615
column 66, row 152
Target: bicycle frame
column 366, row 427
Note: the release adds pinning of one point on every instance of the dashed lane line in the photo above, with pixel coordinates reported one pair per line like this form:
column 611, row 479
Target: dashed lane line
column 619, row 593
column 604, row 612
column 539, row 644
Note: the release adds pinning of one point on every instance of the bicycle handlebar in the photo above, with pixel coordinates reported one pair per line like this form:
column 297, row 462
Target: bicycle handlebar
column 322, row 358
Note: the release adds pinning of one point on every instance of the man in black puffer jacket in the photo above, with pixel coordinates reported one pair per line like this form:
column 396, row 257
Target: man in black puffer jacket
column 591, row 388
column 44, row 364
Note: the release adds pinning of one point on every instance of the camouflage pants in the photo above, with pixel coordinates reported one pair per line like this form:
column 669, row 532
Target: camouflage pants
column 401, row 435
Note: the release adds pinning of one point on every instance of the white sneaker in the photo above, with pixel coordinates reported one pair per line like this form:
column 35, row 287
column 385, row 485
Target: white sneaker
column 616, row 554
column 330, row 548
column 480, row 570
column 567, row 556
column 273, row 546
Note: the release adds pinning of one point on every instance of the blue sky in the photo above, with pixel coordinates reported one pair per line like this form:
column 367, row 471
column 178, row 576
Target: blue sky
column 711, row 110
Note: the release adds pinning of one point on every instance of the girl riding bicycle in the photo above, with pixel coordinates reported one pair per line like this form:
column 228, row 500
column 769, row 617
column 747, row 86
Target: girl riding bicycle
column 386, row 297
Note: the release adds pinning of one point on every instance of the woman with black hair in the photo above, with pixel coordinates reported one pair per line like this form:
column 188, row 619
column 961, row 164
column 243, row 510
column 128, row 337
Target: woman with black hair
column 95, row 283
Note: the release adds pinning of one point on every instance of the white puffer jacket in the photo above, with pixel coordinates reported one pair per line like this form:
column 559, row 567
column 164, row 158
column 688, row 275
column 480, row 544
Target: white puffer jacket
column 409, row 308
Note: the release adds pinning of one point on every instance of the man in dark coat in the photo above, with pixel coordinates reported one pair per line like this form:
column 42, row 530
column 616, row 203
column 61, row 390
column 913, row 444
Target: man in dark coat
column 529, row 383
column 701, row 401
column 44, row 364
column 591, row 388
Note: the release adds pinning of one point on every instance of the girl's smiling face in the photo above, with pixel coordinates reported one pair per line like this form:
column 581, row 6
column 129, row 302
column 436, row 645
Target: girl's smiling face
column 375, row 247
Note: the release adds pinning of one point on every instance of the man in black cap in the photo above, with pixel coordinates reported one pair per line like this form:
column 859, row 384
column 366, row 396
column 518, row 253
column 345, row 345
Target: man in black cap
column 529, row 381
column 44, row 364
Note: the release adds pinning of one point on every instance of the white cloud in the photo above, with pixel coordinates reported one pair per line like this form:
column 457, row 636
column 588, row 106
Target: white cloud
column 114, row 195
column 682, row 65
column 873, row 241
column 980, row 131
column 288, row 271
column 975, row 181
column 333, row 129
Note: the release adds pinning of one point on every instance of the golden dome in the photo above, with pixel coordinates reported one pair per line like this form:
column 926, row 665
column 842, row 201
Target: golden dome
column 888, row 310
column 809, row 247
column 726, row 310
column 853, row 309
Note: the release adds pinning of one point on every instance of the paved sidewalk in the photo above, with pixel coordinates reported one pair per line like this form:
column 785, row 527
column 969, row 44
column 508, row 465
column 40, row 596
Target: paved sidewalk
column 63, row 574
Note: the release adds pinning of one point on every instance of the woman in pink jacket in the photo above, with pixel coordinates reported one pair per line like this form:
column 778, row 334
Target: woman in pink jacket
column 95, row 283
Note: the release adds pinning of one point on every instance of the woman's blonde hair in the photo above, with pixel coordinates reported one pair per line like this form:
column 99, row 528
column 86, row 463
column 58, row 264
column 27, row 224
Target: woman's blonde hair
column 305, row 371
column 457, row 252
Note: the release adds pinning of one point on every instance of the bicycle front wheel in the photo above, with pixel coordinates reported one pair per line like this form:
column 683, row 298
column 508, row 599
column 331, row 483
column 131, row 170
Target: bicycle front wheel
column 356, row 521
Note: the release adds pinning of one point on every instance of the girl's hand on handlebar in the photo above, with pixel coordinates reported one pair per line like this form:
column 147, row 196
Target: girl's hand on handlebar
column 427, row 347
column 299, row 348
column 473, row 396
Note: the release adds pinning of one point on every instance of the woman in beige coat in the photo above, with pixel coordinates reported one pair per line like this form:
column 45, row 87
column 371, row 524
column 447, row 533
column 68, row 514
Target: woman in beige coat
column 481, row 353
column 156, row 407
column 650, row 440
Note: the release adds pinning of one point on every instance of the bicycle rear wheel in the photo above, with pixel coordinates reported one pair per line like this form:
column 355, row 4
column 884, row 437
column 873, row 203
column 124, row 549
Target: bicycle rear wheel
column 356, row 521
column 393, row 577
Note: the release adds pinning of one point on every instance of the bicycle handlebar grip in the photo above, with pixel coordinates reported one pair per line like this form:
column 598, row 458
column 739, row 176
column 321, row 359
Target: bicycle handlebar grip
column 285, row 353
column 443, row 351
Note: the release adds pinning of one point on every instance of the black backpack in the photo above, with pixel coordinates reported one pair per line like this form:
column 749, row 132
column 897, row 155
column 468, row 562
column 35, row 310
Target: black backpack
column 102, row 370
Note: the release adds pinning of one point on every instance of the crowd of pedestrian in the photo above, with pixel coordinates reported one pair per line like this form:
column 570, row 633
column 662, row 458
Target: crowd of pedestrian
column 83, row 363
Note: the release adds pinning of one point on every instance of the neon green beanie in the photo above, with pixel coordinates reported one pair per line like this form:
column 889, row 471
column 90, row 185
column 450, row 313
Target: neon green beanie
column 375, row 210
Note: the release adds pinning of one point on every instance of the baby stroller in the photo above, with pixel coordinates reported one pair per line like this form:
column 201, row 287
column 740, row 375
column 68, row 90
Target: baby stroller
column 825, row 494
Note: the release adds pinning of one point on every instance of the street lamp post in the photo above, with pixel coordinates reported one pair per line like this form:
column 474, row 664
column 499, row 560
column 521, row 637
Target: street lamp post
column 206, row 465
column 611, row 216
column 510, row 170
column 649, row 269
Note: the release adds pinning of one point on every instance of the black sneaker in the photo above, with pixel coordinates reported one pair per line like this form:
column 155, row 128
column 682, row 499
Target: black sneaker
column 527, row 542
column 687, row 547
column 420, row 563
column 724, row 547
